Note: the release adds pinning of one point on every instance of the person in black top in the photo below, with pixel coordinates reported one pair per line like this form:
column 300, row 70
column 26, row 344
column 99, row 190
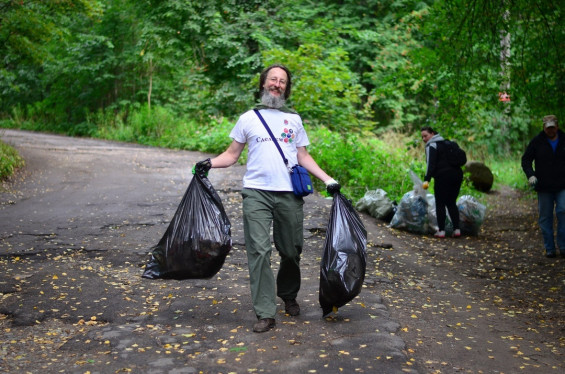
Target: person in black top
column 547, row 152
column 448, row 180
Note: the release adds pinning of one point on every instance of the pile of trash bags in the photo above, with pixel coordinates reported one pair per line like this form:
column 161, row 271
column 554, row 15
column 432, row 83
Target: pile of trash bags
column 418, row 215
column 416, row 211
column 198, row 238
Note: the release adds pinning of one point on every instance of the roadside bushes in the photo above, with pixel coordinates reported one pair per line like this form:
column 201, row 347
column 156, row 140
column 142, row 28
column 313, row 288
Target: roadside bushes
column 161, row 127
column 361, row 163
column 10, row 160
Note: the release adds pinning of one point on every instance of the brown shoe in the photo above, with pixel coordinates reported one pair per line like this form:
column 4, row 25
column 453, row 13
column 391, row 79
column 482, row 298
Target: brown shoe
column 291, row 307
column 264, row 324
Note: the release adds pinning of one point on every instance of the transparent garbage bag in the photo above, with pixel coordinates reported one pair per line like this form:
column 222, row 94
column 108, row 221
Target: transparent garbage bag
column 418, row 185
column 377, row 204
column 471, row 214
column 411, row 213
column 198, row 238
column 342, row 270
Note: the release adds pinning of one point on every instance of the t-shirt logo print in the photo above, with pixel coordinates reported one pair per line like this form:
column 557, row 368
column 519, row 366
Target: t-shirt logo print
column 287, row 134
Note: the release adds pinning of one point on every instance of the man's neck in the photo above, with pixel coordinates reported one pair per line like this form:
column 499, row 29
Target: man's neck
column 552, row 136
column 284, row 108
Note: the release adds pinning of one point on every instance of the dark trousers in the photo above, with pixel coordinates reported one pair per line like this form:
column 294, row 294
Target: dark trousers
column 446, row 187
column 284, row 213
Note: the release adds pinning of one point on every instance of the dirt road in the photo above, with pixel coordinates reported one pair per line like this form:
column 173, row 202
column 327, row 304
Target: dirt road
column 77, row 223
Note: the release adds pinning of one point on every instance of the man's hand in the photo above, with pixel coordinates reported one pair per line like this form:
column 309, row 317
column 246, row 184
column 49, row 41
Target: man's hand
column 332, row 187
column 533, row 181
column 425, row 185
column 202, row 167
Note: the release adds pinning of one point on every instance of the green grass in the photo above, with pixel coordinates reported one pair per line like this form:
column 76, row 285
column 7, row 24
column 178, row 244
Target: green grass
column 10, row 160
column 508, row 171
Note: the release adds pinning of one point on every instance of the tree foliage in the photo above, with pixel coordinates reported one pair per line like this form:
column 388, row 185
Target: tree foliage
column 28, row 32
column 464, row 54
column 363, row 66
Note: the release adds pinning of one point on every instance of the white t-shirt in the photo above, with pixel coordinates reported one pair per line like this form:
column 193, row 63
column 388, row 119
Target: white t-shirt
column 265, row 167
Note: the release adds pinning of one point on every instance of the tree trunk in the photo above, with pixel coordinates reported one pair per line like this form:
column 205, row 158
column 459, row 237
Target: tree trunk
column 150, row 84
column 504, row 94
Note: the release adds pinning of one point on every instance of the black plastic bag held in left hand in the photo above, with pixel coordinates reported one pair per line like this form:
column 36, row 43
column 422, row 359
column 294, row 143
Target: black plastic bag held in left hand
column 344, row 261
column 202, row 167
column 333, row 188
column 198, row 238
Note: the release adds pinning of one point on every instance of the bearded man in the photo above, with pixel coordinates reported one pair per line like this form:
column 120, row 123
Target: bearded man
column 268, row 198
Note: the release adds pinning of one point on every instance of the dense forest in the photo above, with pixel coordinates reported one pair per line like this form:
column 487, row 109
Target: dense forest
column 483, row 71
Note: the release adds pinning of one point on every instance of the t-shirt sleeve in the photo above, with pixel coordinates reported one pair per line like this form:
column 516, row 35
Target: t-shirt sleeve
column 238, row 132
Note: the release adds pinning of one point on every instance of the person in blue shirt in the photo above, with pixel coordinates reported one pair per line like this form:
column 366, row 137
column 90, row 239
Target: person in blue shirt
column 543, row 163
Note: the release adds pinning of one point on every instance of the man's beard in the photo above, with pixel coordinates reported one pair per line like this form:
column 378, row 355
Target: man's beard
column 272, row 101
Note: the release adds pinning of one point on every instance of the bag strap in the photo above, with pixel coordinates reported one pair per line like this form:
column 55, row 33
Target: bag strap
column 272, row 136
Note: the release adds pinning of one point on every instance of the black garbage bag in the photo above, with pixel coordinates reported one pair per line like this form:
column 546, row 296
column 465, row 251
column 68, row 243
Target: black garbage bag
column 345, row 256
column 198, row 238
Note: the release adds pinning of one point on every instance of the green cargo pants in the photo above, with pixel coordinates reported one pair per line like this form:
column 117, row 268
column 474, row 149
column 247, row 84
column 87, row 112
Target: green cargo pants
column 284, row 212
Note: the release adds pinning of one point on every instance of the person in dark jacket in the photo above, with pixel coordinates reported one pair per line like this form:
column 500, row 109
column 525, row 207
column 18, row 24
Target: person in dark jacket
column 546, row 151
column 448, row 180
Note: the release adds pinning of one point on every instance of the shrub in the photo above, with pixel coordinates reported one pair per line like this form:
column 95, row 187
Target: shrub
column 361, row 163
column 10, row 160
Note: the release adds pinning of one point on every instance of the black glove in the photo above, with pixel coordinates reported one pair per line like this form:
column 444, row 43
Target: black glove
column 202, row 167
column 333, row 188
